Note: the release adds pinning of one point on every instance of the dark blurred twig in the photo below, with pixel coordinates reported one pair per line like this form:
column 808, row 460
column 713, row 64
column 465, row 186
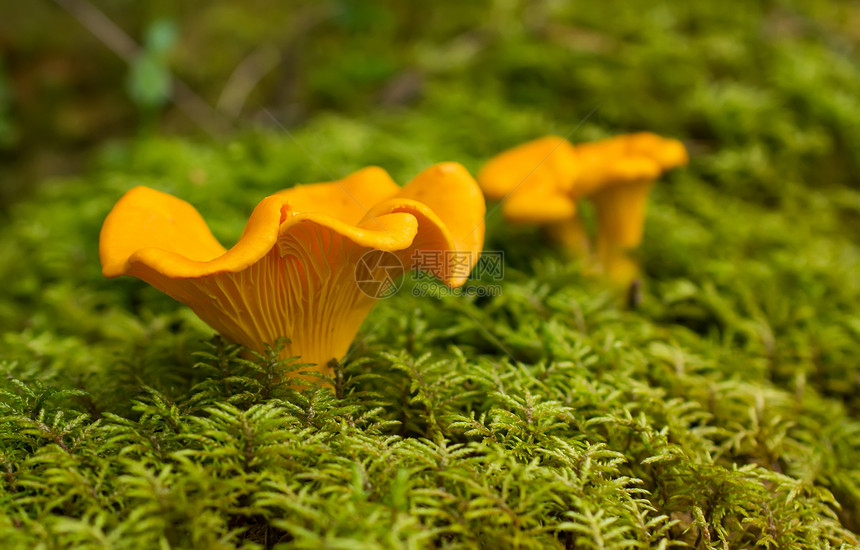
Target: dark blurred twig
column 245, row 77
column 112, row 36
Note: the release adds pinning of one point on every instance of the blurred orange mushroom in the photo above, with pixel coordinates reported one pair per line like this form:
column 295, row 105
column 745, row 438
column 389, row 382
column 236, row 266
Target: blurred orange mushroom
column 542, row 181
column 294, row 273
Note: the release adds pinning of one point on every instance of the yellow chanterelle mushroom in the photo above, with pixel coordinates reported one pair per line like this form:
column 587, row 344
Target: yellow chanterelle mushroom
column 296, row 271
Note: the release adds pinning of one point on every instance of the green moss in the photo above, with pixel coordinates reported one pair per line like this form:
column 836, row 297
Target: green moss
column 721, row 413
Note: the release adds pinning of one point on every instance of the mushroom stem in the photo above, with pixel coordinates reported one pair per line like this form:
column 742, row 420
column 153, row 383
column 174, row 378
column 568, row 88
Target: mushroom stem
column 572, row 235
column 621, row 221
column 616, row 264
column 621, row 212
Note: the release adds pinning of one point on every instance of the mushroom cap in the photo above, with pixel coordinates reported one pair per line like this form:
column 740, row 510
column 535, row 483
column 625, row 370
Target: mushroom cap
column 166, row 234
column 668, row 153
column 540, row 181
column 537, row 176
column 626, row 159
column 151, row 230
column 546, row 161
column 348, row 199
column 541, row 201
column 450, row 210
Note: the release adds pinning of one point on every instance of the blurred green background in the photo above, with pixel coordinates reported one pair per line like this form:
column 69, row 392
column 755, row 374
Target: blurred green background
column 765, row 93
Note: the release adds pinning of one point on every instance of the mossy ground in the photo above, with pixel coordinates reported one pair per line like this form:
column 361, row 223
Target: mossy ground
column 722, row 412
